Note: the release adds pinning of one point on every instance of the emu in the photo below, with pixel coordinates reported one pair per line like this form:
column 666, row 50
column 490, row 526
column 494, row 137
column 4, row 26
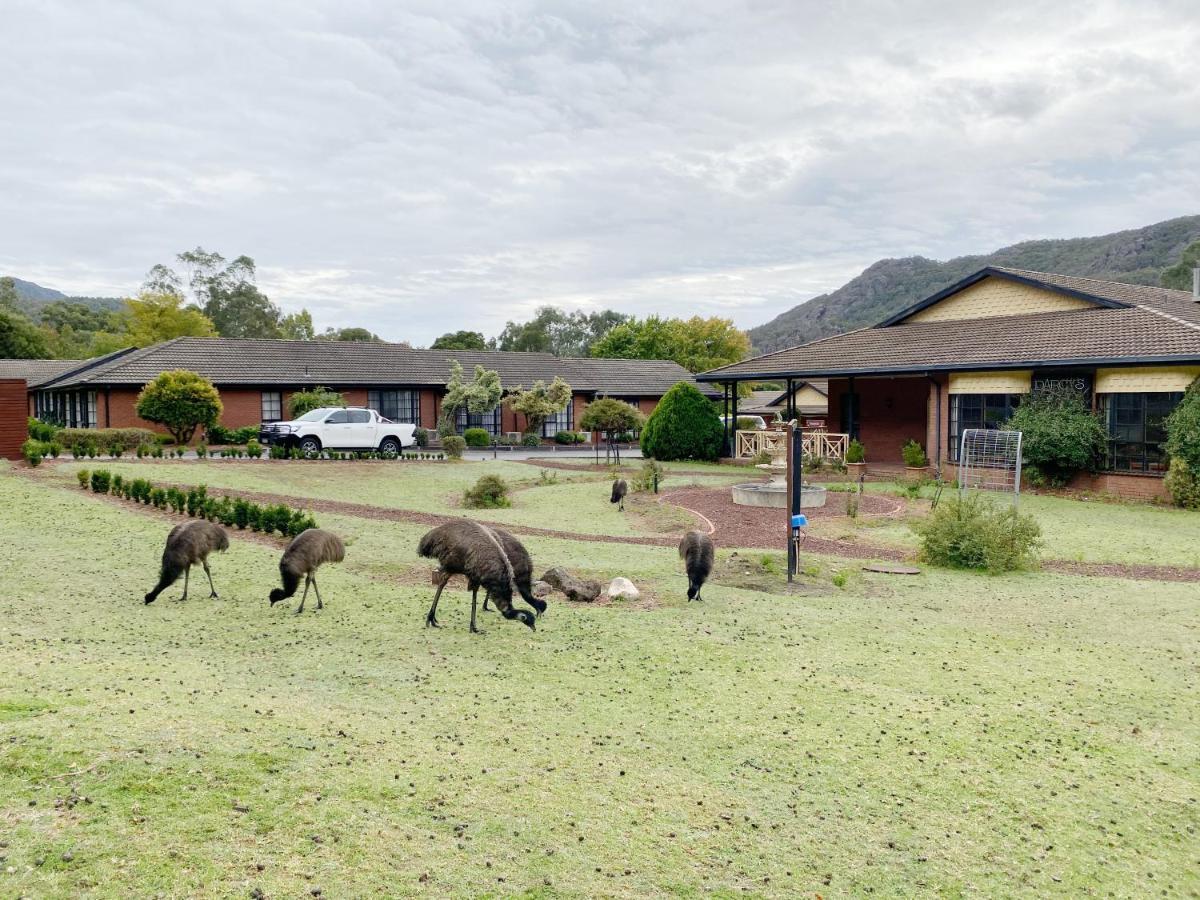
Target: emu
column 188, row 544
column 489, row 558
column 620, row 489
column 696, row 549
column 310, row 550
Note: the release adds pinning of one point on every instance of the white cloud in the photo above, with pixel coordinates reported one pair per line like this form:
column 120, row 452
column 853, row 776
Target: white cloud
column 422, row 167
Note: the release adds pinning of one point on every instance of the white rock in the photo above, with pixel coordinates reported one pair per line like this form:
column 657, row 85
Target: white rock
column 623, row 587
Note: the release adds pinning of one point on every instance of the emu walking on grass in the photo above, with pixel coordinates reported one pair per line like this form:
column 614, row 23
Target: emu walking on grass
column 696, row 549
column 187, row 545
column 487, row 557
column 620, row 489
column 309, row 551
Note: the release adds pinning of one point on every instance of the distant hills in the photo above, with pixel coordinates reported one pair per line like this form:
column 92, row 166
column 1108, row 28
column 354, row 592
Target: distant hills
column 33, row 297
column 890, row 285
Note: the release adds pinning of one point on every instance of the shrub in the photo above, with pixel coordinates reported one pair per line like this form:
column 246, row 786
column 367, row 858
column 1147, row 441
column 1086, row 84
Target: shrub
column 972, row 533
column 855, row 451
column 564, row 437
column 1061, row 436
column 529, row 439
column 127, row 438
column 746, row 424
column 101, row 481
column 42, row 431
column 1183, row 428
column 195, row 500
column 254, row 450
column 454, row 446
column 158, row 497
column 180, row 401
column 608, row 416
column 684, row 425
column 219, row 434
column 34, row 450
column 477, row 437
column 306, row 401
column 649, row 477
column 84, row 477
column 914, row 455
column 1183, row 484
column 489, row 492
column 201, row 451
column 509, row 440
column 421, row 436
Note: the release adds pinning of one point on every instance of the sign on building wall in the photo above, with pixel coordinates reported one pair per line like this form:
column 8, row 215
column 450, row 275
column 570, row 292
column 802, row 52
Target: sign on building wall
column 1064, row 384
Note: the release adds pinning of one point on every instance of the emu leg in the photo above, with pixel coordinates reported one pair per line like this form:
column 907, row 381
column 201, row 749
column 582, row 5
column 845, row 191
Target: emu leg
column 186, row 573
column 474, row 595
column 300, row 608
column 431, row 618
column 486, row 596
column 212, row 587
column 317, row 591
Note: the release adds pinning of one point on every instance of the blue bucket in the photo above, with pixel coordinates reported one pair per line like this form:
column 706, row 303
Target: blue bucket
column 799, row 520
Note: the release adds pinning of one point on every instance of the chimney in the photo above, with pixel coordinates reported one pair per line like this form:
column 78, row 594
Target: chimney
column 1196, row 284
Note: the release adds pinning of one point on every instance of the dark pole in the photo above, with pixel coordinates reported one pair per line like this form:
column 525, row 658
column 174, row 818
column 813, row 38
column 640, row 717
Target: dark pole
column 795, row 493
column 733, row 416
column 725, row 417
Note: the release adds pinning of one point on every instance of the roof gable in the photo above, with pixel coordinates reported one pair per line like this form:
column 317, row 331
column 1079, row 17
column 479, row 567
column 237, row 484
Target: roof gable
column 994, row 291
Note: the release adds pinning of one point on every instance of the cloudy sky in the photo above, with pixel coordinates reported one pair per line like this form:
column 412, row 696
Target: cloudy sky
column 419, row 167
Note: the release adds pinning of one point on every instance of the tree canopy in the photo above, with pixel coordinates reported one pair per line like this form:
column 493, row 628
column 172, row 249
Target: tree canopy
column 180, row 401
column 152, row 317
column 697, row 344
column 460, row 340
column 539, row 402
column 1179, row 276
column 479, row 395
column 305, row 401
column 360, row 335
column 20, row 338
column 684, row 425
column 553, row 331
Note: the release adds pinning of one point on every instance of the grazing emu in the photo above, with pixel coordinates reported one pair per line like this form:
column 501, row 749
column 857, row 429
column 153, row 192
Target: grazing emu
column 305, row 554
column 620, row 489
column 188, row 544
column 697, row 552
column 489, row 558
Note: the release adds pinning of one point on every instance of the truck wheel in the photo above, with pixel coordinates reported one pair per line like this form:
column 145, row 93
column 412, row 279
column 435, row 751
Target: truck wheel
column 390, row 447
column 310, row 447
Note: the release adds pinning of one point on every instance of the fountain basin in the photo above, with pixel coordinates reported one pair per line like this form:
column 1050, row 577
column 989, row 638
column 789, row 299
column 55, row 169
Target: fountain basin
column 774, row 495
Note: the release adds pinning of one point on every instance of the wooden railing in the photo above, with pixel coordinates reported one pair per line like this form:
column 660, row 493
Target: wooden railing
column 816, row 444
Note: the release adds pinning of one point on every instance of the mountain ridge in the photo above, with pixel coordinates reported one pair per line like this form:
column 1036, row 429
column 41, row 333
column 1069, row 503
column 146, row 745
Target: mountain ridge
column 887, row 286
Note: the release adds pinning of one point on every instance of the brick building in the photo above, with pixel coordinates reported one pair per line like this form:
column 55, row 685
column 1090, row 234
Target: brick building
column 966, row 356
column 256, row 378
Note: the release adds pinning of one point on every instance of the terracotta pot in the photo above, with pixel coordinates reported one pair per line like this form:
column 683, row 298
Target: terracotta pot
column 855, row 471
column 916, row 473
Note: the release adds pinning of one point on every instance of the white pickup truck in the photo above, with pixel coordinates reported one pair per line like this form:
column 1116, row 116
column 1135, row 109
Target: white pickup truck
column 333, row 428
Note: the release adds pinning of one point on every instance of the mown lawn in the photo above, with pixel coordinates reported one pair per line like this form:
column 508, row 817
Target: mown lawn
column 947, row 734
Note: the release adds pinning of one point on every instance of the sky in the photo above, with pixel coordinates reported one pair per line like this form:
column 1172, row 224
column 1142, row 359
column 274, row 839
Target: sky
column 421, row 167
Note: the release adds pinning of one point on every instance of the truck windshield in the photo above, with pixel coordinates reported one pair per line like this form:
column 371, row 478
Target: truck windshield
column 313, row 415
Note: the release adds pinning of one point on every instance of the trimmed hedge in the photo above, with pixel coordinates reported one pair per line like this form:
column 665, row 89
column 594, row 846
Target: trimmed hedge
column 101, row 440
column 219, row 434
column 196, row 502
column 477, row 437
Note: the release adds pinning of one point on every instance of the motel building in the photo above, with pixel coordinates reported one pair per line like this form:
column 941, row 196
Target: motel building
column 967, row 356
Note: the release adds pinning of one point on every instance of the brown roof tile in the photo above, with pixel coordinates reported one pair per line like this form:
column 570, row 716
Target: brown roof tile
column 36, row 371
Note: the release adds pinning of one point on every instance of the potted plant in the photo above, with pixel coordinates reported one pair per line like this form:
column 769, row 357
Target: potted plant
column 856, row 459
column 915, row 460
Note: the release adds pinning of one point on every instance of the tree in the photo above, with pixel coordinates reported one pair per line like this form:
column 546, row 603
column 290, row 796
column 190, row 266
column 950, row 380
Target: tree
column 151, row 318
column 1060, row 436
column 20, row 338
column 684, row 425
column 316, row 398
column 610, row 417
column 226, row 293
column 697, row 344
column 460, row 340
column 478, row 396
column 1183, row 428
column 8, row 293
column 360, row 335
column 180, row 401
column 243, row 311
column 297, row 326
column 553, row 331
column 1179, row 276
column 539, row 402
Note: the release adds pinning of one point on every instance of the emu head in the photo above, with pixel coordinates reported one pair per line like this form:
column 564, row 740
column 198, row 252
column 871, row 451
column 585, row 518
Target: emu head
column 276, row 595
column 521, row 615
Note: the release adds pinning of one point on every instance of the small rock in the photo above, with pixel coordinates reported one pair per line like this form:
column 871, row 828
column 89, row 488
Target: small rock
column 541, row 590
column 622, row 587
column 67, row 856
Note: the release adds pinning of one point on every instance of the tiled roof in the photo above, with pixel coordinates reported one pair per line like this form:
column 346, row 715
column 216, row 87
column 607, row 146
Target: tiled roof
column 36, row 371
column 1139, row 324
column 342, row 363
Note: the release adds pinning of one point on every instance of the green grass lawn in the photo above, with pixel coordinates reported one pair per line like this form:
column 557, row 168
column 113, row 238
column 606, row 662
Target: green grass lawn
column 1076, row 530
column 948, row 734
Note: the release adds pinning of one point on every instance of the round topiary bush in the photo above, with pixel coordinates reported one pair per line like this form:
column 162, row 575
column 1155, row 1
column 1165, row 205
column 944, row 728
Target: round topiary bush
column 477, row 437
column 684, row 425
column 1183, row 484
column 454, row 446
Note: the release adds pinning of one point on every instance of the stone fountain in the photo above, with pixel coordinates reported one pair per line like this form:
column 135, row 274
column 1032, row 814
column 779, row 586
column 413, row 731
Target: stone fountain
column 773, row 492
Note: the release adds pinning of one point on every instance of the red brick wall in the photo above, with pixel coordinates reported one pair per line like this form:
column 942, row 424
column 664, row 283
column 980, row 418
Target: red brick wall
column 891, row 412
column 14, row 414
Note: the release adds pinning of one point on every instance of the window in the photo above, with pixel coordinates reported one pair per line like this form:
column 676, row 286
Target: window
column 1135, row 430
column 563, row 420
column 399, row 406
column 978, row 411
column 488, row 421
column 359, row 417
column 341, row 417
column 272, row 406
